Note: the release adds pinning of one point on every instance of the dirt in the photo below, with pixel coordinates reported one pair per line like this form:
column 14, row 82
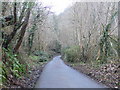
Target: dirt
column 28, row 81
column 108, row 74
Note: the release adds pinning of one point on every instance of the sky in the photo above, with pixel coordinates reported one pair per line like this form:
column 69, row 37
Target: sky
column 57, row 6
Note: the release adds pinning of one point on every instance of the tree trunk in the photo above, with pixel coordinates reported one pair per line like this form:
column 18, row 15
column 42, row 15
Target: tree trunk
column 8, row 38
column 22, row 33
column 118, row 30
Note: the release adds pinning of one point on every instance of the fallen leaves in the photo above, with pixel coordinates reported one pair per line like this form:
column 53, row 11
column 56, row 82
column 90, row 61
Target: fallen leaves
column 108, row 74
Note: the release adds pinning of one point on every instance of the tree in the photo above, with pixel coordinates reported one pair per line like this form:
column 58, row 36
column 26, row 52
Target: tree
column 23, row 28
column 17, row 25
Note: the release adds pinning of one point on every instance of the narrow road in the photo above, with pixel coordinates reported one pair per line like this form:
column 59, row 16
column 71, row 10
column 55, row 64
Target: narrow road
column 58, row 75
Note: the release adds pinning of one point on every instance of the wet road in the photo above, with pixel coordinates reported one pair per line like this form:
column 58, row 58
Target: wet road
column 58, row 75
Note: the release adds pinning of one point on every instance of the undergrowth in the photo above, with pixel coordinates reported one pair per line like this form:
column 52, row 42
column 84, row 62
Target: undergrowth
column 14, row 66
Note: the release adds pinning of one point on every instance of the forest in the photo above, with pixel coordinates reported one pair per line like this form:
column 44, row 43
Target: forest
column 85, row 35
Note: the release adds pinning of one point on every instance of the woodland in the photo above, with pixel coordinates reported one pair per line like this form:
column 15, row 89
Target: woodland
column 85, row 35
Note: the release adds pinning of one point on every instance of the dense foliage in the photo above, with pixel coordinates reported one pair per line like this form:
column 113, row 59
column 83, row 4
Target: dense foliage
column 17, row 46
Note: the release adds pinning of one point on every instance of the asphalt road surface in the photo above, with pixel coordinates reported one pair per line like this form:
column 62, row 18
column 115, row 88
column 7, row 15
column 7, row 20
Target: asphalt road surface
column 58, row 75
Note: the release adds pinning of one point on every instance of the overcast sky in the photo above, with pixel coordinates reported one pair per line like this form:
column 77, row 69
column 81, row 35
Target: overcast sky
column 57, row 6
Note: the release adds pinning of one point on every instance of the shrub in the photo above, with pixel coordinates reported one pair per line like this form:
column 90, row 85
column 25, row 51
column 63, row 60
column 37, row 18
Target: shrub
column 40, row 53
column 12, row 66
column 58, row 47
column 72, row 54
column 43, row 59
column 42, row 56
column 55, row 46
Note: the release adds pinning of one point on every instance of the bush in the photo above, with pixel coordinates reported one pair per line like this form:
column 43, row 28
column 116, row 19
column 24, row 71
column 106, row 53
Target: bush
column 43, row 59
column 55, row 46
column 71, row 54
column 12, row 66
column 42, row 56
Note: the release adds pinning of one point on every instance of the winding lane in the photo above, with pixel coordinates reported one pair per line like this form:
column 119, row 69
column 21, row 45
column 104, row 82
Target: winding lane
column 58, row 75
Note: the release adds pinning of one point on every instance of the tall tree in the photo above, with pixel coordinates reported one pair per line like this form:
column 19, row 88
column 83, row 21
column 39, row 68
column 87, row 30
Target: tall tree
column 17, row 25
column 23, row 28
